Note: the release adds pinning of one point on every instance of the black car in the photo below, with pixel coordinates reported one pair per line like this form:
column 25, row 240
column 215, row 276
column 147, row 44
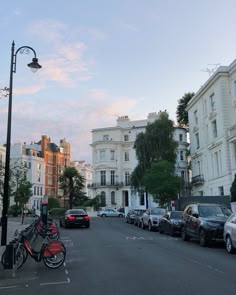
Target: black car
column 75, row 217
column 171, row 223
column 204, row 222
column 131, row 215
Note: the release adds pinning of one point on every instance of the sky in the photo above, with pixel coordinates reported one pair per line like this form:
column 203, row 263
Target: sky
column 106, row 58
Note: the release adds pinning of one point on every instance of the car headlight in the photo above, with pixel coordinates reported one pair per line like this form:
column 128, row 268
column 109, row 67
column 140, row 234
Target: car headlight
column 175, row 222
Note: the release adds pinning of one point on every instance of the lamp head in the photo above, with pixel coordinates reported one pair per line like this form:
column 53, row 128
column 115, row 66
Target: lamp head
column 34, row 65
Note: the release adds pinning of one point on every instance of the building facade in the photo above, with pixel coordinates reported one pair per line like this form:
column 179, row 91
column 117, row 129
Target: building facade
column 212, row 130
column 114, row 159
column 28, row 159
column 86, row 171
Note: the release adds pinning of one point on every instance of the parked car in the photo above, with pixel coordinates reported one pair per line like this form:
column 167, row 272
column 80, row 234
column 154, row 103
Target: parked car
column 75, row 217
column 230, row 233
column 110, row 213
column 171, row 223
column 131, row 215
column 151, row 218
column 204, row 222
column 138, row 217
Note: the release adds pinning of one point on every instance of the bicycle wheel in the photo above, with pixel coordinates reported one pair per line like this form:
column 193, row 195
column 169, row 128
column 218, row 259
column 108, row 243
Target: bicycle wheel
column 21, row 256
column 55, row 261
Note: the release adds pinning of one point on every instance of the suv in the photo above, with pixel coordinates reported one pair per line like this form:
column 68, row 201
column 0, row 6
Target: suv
column 151, row 218
column 204, row 222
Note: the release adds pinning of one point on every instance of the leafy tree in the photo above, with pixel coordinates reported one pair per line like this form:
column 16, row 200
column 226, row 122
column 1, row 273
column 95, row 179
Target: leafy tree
column 233, row 190
column 161, row 182
column 182, row 114
column 96, row 202
column 72, row 183
column 24, row 195
column 53, row 203
column 156, row 144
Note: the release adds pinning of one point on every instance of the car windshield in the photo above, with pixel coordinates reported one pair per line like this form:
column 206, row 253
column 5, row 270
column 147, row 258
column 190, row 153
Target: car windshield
column 80, row 211
column 176, row 215
column 158, row 211
column 213, row 211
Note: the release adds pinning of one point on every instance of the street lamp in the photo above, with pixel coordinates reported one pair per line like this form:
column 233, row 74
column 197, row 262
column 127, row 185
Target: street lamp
column 34, row 65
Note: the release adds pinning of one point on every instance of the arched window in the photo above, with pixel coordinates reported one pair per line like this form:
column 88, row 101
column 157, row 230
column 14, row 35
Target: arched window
column 103, row 199
column 113, row 198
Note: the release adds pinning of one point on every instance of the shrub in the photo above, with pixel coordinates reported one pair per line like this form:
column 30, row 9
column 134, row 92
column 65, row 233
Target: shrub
column 57, row 212
column 233, row 190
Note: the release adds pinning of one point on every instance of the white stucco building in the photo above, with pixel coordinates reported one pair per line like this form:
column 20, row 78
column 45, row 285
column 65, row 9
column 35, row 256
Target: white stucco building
column 86, row 171
column 114, row 159
column 30, row 156
column 212, row 129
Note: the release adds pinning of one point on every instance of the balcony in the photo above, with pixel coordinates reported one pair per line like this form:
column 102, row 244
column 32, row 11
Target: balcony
column 95, row 185
column 198, row 180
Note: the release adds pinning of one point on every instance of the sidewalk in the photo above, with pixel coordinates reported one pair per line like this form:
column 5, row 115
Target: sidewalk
column 13, row 225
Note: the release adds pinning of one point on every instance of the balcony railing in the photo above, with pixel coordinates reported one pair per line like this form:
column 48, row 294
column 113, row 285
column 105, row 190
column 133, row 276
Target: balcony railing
column 107, row 184
column 197, row 180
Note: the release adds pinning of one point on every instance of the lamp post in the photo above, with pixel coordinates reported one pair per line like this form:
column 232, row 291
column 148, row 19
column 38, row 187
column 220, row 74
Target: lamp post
column 34, row 66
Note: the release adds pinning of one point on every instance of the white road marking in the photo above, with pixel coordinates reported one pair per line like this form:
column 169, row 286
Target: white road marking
column 66, row 272
column 55, row 283
column 8, row 287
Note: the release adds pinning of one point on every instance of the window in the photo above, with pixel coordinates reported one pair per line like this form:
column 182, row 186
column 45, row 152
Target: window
column 141, row 199
column 126, row 137
column 35, row 190
column 181, row 155
column 180, row 137
column 197, row 140
column 234, row 151
column 50, row 180
column 112, row 177
column 112, row 155
column 127, row 176
column 113, row 198
column 38, row 177
column 39, row 166
column 196, row 117
column 102, row 155
column 217, row 164
column 212, row 102
column 214, row 128
column 182, row 174
column 103, row 177
column 41, row 191
column 221, row 190
column 235, row 88
column 105, row 137
column 29, row 165
column 126, row 156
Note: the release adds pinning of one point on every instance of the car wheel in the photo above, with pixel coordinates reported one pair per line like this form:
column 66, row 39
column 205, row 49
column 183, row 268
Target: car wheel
column 172, row 233
column 203, row 239
column 120, row 215
column 103, row 215
column 150, row 226
column 184, row 235
column 229, row 246
column 160, row 230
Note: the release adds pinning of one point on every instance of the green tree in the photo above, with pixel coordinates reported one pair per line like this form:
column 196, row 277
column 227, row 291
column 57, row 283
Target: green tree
column 53, row 203
column 97, row 202
column 156, row 144
column 72, row 183
column 24, row 195
column 182, row 114
column 233, row 190
column 161, row 182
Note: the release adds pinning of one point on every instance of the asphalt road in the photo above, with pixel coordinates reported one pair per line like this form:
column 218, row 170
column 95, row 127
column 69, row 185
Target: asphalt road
column 113, row 257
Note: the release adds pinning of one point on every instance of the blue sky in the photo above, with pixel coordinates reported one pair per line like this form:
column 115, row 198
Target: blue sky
column 104, row 59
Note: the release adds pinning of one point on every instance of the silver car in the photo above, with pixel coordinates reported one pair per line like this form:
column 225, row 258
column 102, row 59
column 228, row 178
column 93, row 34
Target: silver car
column 151, row 218
column 230, row 233
column 110, row 213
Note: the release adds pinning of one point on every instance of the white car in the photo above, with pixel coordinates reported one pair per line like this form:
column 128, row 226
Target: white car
column 230, row 233
column 110, row 213
column 151, row 218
